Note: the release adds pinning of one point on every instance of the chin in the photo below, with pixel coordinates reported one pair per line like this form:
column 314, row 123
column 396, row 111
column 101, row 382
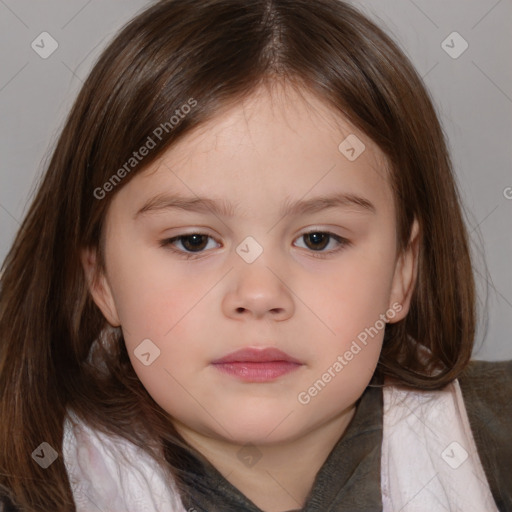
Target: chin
column 260, row 435
column 263, row 428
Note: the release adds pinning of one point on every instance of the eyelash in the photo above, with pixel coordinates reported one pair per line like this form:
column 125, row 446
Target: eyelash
column 167, row 243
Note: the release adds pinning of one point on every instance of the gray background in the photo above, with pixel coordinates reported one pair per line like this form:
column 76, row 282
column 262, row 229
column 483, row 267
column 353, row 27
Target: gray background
column 472, row 93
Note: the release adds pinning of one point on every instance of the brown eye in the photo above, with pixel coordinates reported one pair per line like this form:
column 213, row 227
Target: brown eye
column 318, row 241
column 192, row 245
column 194, row 242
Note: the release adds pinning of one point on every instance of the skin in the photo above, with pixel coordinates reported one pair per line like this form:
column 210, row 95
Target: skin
column 276, row 145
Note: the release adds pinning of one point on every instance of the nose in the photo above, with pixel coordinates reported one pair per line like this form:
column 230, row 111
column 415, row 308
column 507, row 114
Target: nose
column 257, row 291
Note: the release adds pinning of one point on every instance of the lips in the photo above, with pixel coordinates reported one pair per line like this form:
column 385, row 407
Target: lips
column 254, row 355
column 257, row 365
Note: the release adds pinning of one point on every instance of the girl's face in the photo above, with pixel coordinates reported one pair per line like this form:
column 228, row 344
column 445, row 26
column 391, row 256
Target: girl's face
column 269, row 170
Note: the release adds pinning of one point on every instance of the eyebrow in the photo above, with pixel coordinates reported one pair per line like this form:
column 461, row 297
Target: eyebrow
column 226, row 209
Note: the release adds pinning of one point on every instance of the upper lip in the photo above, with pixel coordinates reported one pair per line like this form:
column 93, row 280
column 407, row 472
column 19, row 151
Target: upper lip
column 255, row 355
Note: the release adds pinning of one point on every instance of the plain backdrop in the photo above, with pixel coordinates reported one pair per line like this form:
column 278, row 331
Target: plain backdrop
column 461, row 48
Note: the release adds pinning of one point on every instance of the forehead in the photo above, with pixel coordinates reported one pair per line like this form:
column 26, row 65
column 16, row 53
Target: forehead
column 271, row 116
column 279, row 143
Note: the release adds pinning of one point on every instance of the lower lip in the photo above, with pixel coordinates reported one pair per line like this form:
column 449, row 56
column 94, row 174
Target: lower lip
column 257, row 372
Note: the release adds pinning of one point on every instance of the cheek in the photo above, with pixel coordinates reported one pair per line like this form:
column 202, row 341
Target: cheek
column 356, row 295
column 150, row 293
column 346, row 355
column 352, row 303
column 160, row 304
column 177, row 354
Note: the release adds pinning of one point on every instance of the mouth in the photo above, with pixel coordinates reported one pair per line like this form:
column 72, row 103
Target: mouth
column 257, row 365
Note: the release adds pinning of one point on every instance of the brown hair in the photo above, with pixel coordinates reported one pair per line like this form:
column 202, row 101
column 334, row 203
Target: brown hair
column 216, row 52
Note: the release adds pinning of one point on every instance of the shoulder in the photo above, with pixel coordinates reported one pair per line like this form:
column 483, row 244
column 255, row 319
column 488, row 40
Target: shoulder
column 488, row 384
column 487, row 391
column 489, row 369
column 108, row 472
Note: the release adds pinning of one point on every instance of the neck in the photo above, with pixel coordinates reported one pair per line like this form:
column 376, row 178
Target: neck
column 275, row 477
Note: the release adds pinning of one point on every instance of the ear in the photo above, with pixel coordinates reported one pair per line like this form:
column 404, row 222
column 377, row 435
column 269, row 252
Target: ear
column 405, row 276
column 99, row 287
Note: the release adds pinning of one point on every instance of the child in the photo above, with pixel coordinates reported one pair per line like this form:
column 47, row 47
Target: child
column 313, row 352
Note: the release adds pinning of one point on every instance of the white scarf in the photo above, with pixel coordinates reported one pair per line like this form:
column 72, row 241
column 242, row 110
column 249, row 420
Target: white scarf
column 429, row 458
column 429, row 462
